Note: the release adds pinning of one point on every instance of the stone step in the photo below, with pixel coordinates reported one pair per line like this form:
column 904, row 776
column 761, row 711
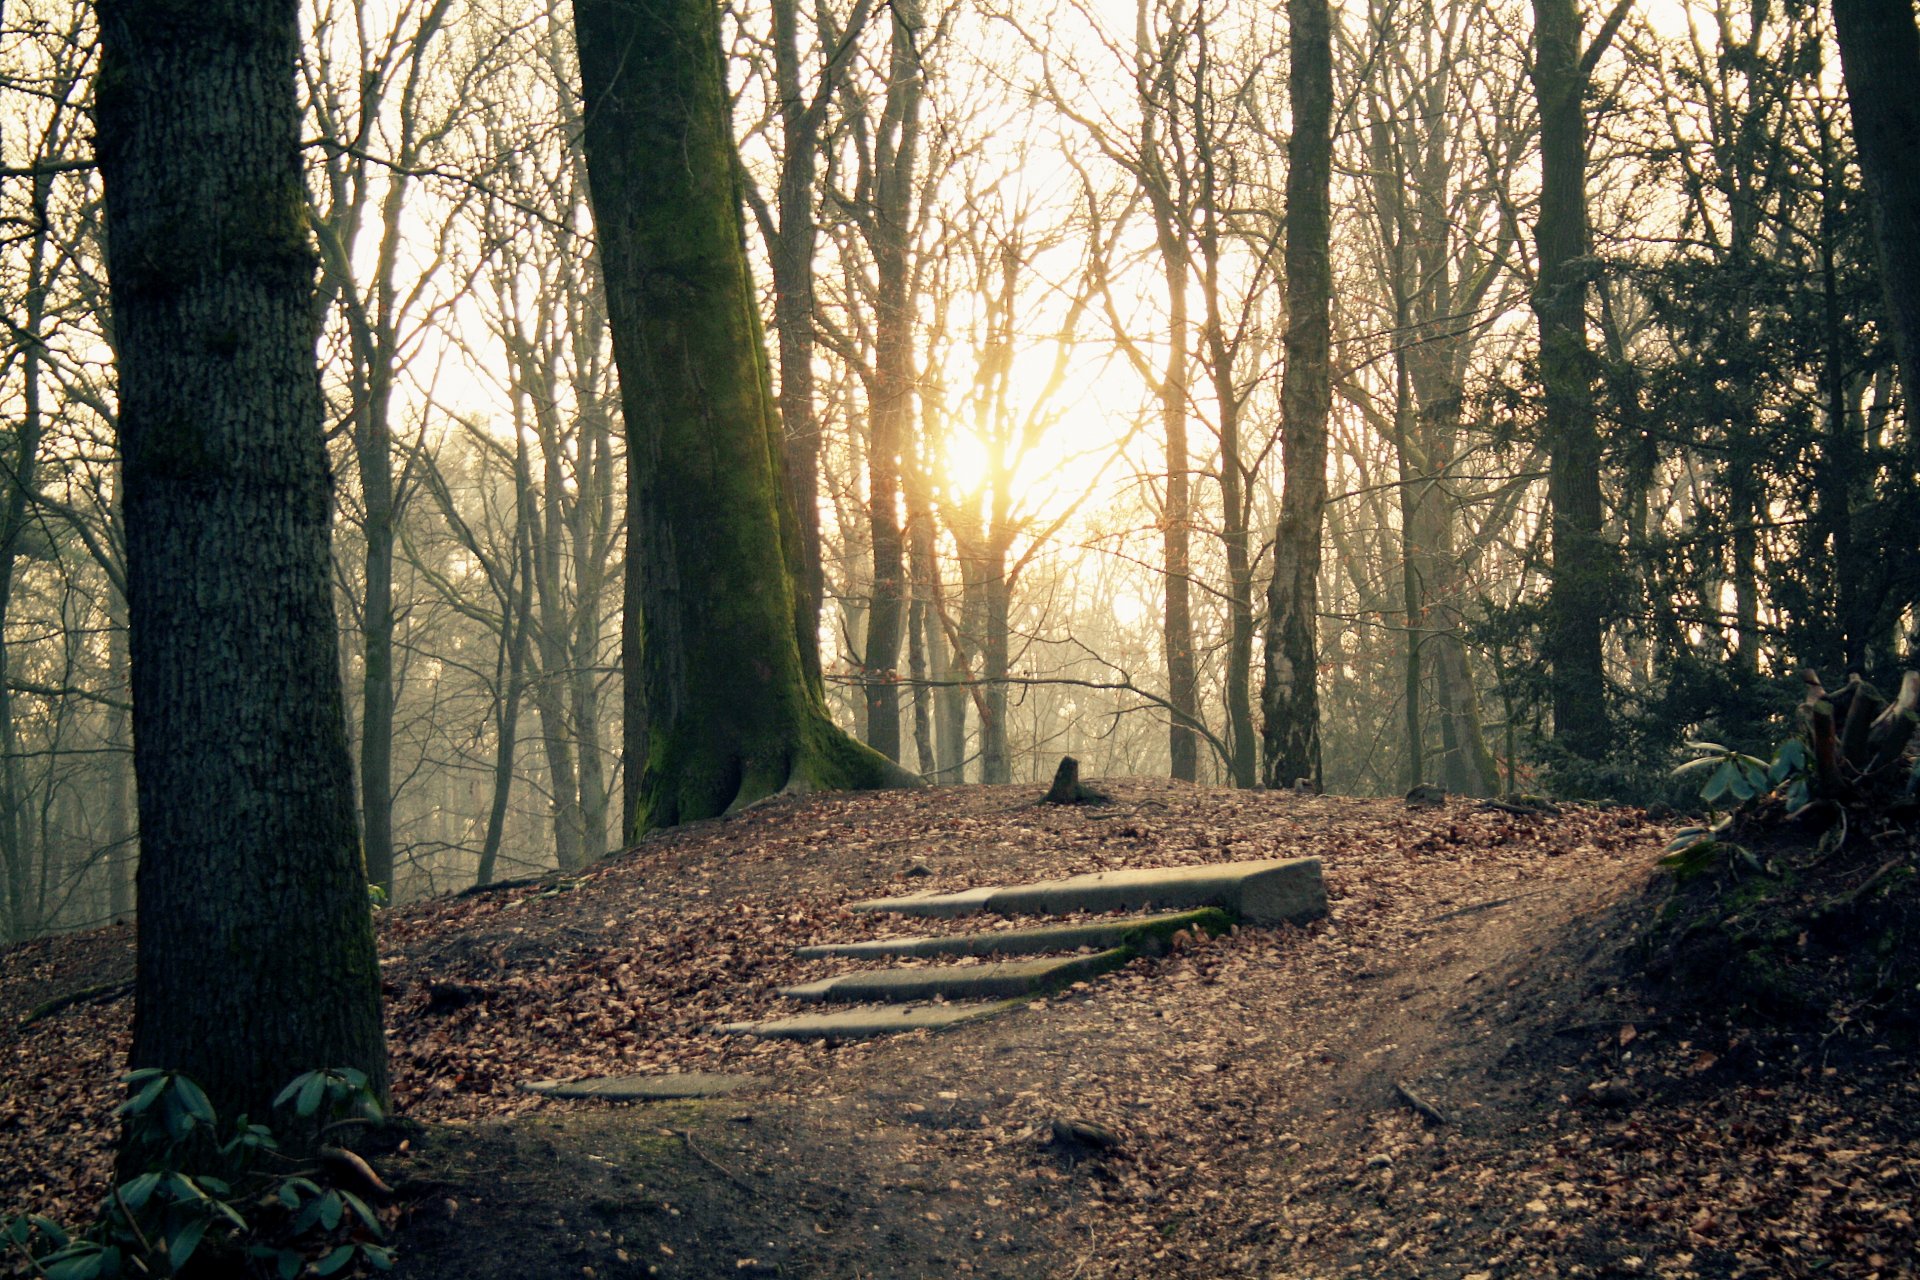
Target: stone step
column 1272, row 891
column 867, row 1021
column 1145, row 934
column 961, row 982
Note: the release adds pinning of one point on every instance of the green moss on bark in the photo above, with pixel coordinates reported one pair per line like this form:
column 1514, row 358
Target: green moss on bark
column 733, row 713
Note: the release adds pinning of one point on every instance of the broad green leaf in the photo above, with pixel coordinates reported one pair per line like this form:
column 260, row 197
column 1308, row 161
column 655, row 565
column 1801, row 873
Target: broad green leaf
column 139, row 1102
column 183, row 1188
column 334, row 1261
column 185, row 1241
column 330, row 1210
column 363, row 1213
column 294, row 1086
column 194, row 1100
column 137, row 1191
column 311, row 1093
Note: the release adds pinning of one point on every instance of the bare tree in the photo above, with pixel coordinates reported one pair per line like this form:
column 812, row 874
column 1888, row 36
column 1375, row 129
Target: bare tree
column 1290, row 696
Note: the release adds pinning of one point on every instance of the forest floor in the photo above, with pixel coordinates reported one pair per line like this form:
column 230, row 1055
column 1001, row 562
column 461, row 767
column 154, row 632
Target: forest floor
column 1260, row 1088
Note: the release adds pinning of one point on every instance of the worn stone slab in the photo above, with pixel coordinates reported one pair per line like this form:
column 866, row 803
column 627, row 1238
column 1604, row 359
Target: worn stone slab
column 867, row 1021
column 659, row 1088
column 999, row 981
column 1140, row 932
column 1272, row 891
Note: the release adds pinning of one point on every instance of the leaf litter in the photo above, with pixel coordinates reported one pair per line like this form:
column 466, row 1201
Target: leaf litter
column 1249, row 1093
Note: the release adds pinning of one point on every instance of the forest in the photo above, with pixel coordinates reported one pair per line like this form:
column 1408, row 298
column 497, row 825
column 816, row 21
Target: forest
column 1024, row 275
column 538, row 540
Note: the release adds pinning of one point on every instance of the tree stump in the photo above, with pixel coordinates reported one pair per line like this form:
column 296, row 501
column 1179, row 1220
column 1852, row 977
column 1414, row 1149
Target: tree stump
column 1067, row 788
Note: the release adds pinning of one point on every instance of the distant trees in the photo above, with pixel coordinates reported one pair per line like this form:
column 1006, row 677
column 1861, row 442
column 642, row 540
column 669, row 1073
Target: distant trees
column 1032, row 378
column 256, row 954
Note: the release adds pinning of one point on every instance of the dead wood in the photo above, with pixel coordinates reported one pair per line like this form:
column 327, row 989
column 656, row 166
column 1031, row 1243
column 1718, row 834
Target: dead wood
column 693, row 1149
column 1067, row 787
column 1426, row 1109
column 1818, row 710
column 349, row 1170
column 100, row 993
column 1863, row 708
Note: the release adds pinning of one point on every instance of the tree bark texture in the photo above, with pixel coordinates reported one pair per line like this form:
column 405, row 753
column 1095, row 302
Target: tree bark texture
column 791, row 250
column 256, row 955
column 1176, row 519
column 1290, row 704
column 1880, row 60
column 890, row 415
column 1576, row 597
column 730, row 713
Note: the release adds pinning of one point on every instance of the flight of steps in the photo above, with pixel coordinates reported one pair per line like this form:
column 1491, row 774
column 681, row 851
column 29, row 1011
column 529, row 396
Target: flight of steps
column 882, row 1001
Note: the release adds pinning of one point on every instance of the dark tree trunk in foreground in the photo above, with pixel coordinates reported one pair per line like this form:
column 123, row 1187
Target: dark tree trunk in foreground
column 713, row 628
column 1290, row 699
column 1577, row 596
column 1880, row 59
column 256, row 956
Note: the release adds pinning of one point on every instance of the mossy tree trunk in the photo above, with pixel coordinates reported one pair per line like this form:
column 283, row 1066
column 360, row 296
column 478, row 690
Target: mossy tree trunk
column 256, row 954
column 729, row 711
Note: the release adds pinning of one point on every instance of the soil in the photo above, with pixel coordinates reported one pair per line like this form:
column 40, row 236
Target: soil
column 1457, row 1076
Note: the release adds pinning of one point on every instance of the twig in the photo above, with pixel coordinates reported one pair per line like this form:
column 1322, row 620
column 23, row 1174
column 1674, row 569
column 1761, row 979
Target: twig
column 88, row 995
column 711, row 1163
column 1859, row 891
column 1522, row 810
column 32, row 1261
column 146, row 1246
column 1420, row 1104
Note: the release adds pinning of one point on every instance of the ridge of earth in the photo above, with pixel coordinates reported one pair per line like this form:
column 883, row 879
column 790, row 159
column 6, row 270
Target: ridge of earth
column 1233, row 1107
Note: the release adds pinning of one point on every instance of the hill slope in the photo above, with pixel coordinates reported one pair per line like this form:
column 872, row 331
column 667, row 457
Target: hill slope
column 1260, row 1092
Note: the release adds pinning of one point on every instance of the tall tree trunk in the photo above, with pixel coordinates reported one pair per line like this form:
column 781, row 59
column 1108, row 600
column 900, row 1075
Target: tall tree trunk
column 944, row 671
column 1576, row 597
column 551, row 635
column 245, row 782
column 1415, row 492
column 1880, row 59
column 729, row 712
column 791, row 250
column 516, row 619
column 21, row 920
column 996, row 760
column 891, row 412
column 1290, row 703
column 1176, row 521
column 122, row 838
column 375, row 448
column 920, row 652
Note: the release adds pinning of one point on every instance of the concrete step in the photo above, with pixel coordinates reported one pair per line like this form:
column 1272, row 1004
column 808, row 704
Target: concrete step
column 874, row 1020
column 1145, row 934
column 961, row 982
column 1273, row 891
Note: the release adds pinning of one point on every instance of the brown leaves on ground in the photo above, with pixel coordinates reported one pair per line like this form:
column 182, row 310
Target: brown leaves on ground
column 1247, row 1084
